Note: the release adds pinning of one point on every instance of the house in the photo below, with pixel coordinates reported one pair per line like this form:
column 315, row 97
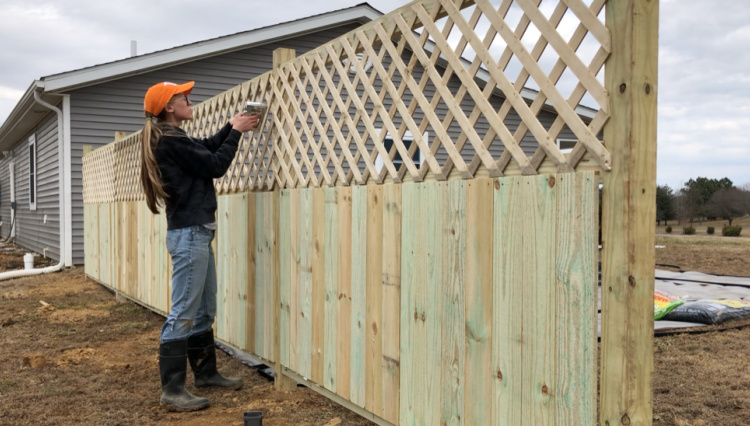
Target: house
column 62, row 116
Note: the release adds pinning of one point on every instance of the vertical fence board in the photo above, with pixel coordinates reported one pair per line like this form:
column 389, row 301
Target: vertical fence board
column 359, row 293
column 538, row 224
column 104, row 242
column 391, row 295
column 374, row 295
column 507, row 319
column 285, row 265
column 453, row 315
column 576, row 334
column 433, row 198
column 250, row 279
column 305, row 283
column 318, row 285
column 270, row 225
column 294, row 281
column 223, row 290
column 331, row 244
column 344, row 298
column 478, row 400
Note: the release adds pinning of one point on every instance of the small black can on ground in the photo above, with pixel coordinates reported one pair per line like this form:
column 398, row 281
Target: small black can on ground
column 253, row 418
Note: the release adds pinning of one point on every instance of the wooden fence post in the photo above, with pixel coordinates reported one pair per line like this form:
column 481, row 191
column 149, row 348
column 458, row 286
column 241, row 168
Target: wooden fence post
column 628, row 215
column 282, row 382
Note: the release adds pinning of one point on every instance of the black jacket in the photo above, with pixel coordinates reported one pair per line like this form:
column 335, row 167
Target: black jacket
column 188, row 167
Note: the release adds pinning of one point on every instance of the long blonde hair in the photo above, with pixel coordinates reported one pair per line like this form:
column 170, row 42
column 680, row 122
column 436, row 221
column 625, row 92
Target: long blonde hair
column 150, row 173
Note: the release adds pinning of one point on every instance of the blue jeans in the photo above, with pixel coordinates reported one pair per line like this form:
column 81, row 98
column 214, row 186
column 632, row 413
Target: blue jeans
column 193, row 283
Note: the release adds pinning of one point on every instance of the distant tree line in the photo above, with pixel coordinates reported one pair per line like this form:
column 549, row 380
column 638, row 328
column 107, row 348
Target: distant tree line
column 702, row 199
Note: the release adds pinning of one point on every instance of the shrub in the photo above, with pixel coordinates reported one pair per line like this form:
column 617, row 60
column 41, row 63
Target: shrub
column 688, row 230
column 731, row 231
column 668, row 229
column 710, row 230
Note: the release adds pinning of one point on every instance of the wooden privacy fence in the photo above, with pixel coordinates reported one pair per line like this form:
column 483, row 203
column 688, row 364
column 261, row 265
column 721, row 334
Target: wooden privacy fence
column 404, row 234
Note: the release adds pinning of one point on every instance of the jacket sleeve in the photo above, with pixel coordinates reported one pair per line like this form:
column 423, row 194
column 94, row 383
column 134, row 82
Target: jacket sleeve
column 196, row 159
column 214, row 142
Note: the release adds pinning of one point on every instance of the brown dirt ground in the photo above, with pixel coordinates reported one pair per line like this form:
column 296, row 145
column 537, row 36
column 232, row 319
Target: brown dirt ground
column 72, row 354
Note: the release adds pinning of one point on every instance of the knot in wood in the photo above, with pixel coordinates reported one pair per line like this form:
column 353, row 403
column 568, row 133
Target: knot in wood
column 631, row 281
column 625, row 419
column 551, row 182
column 623, row 86
column 544, row 389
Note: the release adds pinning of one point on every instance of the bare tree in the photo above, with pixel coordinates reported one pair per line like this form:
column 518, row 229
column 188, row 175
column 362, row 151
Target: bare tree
column 729, row 204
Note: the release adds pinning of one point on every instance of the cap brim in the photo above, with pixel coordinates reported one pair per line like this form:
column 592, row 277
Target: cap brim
column 185, row 88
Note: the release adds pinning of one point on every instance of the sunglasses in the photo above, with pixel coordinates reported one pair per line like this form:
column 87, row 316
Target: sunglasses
column 179, row 98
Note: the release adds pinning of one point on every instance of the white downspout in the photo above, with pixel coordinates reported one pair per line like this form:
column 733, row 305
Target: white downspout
column 61, row 144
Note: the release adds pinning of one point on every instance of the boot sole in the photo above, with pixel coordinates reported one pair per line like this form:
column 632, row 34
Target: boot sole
column 207, row 386
column 178, row 409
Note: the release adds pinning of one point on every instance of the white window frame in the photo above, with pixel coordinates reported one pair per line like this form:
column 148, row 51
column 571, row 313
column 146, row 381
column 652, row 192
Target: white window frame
column 408, row 137
column 560, row 141
column 33, row 171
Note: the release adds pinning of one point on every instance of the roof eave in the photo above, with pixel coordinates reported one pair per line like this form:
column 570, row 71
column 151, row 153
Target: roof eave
column 24, row 116
column 67, row 81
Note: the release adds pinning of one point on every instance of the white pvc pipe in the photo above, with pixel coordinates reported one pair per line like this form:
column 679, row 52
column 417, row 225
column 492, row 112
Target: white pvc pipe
column 61, row 144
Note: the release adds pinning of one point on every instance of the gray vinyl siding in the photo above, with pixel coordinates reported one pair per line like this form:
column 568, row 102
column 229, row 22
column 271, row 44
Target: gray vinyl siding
column 32, row 231
column 97, row 112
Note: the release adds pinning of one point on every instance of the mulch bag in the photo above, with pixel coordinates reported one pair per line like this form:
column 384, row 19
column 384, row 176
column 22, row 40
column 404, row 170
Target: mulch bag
column 664, row 303
column 710, row 311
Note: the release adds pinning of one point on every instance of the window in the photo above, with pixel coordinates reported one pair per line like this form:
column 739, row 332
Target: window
column 566, row 145
column 408, row 139
column 32, row 173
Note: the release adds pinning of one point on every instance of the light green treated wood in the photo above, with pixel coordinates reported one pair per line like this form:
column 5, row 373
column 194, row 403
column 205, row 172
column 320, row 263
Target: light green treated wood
column 317, row 359
column 478, row 397
column 223, row 291
column 452, row 290
column 238, row 274
column 413, row 293
column 163, row 262
column 270, row 205
column 576, row 334
column 144, row 254
column 131, row 267
column 250, row 282
column 105, row 252
column 374, row 297
column 507, row 320
column 260, row 279
column 391, row 294
column 285, row 264
column 91, row 248
column 331, row 287
column 538, row 224
column 344, row 299
column 304, row 361
column 359, row 293
column 294, row 286
column 430, row 379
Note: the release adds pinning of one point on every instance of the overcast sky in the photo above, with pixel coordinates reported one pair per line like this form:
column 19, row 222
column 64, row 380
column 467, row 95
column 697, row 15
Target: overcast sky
column 704, row 60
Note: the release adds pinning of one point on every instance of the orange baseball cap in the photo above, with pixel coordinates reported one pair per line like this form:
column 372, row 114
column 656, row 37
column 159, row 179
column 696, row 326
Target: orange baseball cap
column 159, row 95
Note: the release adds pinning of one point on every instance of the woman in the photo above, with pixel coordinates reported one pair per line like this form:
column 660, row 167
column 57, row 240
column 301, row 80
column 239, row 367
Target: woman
column 177, row 171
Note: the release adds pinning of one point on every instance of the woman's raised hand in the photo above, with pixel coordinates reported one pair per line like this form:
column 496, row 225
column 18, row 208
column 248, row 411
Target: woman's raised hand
column 244, row 123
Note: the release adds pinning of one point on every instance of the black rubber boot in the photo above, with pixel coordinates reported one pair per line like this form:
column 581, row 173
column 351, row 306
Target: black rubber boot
column 173, row 368
column 201, row 352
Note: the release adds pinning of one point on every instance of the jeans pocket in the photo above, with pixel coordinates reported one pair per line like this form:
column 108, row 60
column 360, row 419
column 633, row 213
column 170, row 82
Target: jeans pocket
column 173, row 239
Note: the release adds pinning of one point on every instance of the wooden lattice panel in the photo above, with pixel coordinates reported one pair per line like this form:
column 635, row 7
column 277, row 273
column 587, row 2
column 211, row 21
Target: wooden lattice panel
column 434, row 67
column 435, row 89
column 98, row 176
